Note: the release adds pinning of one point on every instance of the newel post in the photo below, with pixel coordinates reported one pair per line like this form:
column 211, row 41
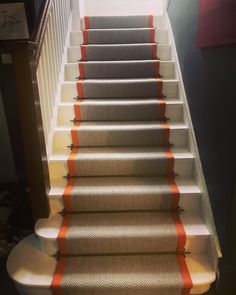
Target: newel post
column 31, row 125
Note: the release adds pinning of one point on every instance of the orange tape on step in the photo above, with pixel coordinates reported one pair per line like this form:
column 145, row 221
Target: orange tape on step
column 180, row 231
column 150, row 21
column 67, row 195
column 175, row 194
column 83, row 52
column 157, row 68
column 85, row 37
column 152, row 35
column 80, row 90
column 86, row 22
column 57, row 278
column 170, row 164
column 159, row 87
column 162, row 109
column 77, row 112
column 71, row 162
column 154, row 51
column 188, row 284
column 166, row 133
column 81, row 70
column 61, row 238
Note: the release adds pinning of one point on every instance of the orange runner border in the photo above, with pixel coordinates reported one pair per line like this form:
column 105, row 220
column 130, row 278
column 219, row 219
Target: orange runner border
column 170, row 164
column 150, row 21
column 188, row 284
column 58, row 275
column 159, row 87
column 80, row 90
column 81, row 70
column 86, row 22
column 83, row 52
column 152, row 35
column 85, row 37
column 154, row 51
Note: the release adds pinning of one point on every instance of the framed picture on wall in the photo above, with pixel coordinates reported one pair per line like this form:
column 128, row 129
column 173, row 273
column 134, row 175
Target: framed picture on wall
column 13, row 22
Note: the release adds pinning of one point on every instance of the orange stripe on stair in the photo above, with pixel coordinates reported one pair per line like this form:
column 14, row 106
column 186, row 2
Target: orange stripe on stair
column 152, row 35
column 154, row 51
column 77, row 111
column 180, row 231
column 57, row 278
column 85, row 37
column 81, row 70
column 157, row 68
column 175, row 194
column 71, row 162
column 188, row 284
column 67, row 195
column 83, row 52
column 86, row 22
column 159, row 87
column 150, row 21
column 80, row 90
column 61, row 238
column 166, row 133
column 162, row 109
column 170, row 164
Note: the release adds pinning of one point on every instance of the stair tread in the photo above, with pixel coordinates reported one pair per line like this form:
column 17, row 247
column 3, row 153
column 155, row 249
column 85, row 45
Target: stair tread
column 185, row 185
column 121, row 223
column 40, row 273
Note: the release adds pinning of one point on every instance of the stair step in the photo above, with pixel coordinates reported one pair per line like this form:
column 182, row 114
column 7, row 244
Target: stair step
column 108, row 134
column 125, row 193
column 122, row 21
column 120, row 110
column 119, row 36
column 109, row 52
column 39, row 275
column 121, row 233
column 121, row 162
column 119, row 69
column 119, row 88
column 160, row 36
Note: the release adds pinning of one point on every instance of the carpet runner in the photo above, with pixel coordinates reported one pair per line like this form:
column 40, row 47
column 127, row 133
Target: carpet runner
column 121, row 232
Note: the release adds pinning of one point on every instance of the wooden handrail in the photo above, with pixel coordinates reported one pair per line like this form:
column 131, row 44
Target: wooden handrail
column 40, row 28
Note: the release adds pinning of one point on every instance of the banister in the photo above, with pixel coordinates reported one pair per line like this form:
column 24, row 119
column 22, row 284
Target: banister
column 36, row 97
column 40, row 28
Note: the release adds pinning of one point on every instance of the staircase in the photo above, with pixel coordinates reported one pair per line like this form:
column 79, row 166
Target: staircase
column 126, row 208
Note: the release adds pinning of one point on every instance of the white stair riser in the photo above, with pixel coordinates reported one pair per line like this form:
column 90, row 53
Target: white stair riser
column 69, row 90
column 167, row 70
column 62, row 138
column 188, row 201
column 161, row 37
column 59, row 168
column 163, row 52
column 66, row 112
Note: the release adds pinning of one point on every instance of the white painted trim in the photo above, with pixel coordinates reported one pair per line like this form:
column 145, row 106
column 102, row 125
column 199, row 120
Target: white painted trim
column 58, row 93
column 206, row 206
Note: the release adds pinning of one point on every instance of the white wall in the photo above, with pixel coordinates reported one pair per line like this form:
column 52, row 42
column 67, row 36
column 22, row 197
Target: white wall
column 120, row 7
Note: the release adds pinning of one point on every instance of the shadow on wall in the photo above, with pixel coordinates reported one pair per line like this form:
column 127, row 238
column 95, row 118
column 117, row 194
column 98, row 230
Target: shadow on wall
column 209, row 78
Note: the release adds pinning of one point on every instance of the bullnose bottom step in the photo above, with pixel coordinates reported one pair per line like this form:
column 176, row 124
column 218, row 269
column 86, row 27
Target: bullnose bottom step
column 155, row 274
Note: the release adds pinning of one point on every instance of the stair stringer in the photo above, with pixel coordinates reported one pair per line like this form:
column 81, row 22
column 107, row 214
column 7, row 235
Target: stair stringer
column 214, row 251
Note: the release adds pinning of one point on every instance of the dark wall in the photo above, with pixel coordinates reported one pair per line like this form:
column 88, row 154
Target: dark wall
column 210, row 78
column 32, row 7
